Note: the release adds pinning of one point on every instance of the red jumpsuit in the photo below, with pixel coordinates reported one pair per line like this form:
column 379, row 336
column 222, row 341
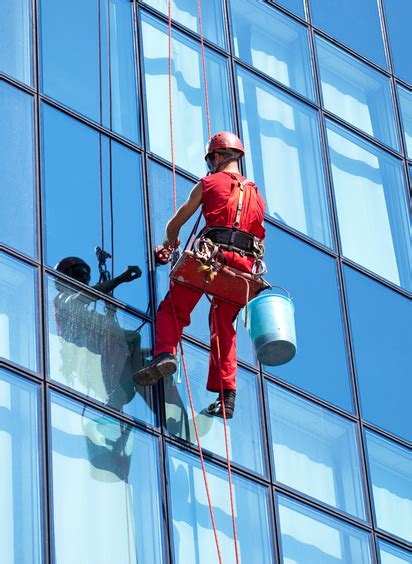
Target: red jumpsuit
column 220, row 196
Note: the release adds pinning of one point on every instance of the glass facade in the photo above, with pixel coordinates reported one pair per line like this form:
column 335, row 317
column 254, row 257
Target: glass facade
column 96, row 470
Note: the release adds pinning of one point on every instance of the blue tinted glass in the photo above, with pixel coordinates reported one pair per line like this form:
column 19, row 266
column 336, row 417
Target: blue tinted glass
column 313, row 537
column 187, row 95
column 20, row 482
column 296, row 6
column 96, row 348
column 16, row 38
column 405, row 101
column 315, row 451
column 17, row 170
column 273, row 43
column 193, row 539
column 283, row 156
column 379, row 315
column 245, row 437
column 106, row 488
column 398, row 19
column 18, row 312
column 356, row 92
column 372, row 205
column 186, row 13
column 356, row 24
column 93, row 197
column 390, row 467
column 88, row 60
column 390, row 554
column 320, row 365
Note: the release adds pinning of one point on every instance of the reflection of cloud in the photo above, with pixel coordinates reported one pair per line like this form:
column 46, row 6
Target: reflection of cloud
column 394, row 513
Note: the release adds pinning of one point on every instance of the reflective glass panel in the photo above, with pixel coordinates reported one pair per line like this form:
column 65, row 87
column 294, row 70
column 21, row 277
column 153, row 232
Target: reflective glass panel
column 244, row 432
column 193, row 539
column 390, row 468
column 315, row 451
column 378, row 315
column 190, row 132
column 106, row 488
column 93, row 197
column 296, row 6
column 96, row 348
column 356, row 92
column 186, row 13
column 398, row 19
column 356, row 24
column 405, row 101
column 16, row 39
column 390, row 554
column 283, row 156
column 18, row 312
column 273, row 43
column 17, row 207
column 372, row 205
column 88, row 60
column 320, row 365
column 20, row 516
column 308, row 535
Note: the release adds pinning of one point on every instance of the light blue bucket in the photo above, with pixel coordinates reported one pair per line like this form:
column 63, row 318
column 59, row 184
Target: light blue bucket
column 271, row 324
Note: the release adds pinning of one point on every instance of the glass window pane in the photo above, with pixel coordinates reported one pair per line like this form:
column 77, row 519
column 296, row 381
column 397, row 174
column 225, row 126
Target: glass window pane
column 390, row 467
column 283, row 156
column 273, row 43
column 244, row 432
column 310, row 536
column 405, row 102
column 372, row 205
column 398, row 18
column 186, row 13
column 320, row 366
column 315, row 451
column 193, row 539
column 296, row 6
column 88, row 61
column 106, row 500
column 17, row 170
column 356, row 24
column 378, row 314
column 357, row 93
column 16, row 39
column 18, row 312
column 93, row 197
column 390, row 554
column 187, row 95
column 20, row 481
column 96, row 348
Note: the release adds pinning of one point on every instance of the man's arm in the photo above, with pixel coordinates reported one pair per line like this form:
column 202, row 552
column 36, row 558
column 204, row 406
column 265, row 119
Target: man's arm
column 184, row 213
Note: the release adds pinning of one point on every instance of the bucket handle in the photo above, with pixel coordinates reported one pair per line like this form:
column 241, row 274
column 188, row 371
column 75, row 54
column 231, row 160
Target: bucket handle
column 286, row 291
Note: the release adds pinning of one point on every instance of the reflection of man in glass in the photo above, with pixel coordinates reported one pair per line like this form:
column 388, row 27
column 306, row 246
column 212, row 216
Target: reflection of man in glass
column 79, row 322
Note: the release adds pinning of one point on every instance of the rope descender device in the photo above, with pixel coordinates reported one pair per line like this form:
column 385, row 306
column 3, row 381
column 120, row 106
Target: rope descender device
column 163, row 255
column 102, row 257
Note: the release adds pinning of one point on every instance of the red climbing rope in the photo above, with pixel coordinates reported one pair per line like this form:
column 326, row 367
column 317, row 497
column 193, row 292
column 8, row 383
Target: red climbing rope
column 199, row 11
column 172, row 147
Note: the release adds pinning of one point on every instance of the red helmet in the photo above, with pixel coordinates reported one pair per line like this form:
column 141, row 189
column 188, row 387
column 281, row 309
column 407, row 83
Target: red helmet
column 67, row 263
column 224, row 140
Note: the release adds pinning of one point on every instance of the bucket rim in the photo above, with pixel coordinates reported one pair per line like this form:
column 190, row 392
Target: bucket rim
column 287, row 299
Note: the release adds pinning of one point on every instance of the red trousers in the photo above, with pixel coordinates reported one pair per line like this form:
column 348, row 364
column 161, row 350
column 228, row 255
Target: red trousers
column 221, row 320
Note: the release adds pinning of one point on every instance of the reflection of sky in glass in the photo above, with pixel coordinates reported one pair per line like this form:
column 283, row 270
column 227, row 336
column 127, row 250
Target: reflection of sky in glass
column 20, row 471
column 244, row 431
column 193, row 538
column 296, row 6
column 398, row 16
column 283, row 156
column 311, row 537
column 391, row 475
column 15, row 39
column 315, row 451
column 372, row 208
column 405, row 100
column 390, row 554
column 105, row 501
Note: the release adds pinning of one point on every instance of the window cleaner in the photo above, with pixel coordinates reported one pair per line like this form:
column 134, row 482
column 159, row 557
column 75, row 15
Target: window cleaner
column 230, row 248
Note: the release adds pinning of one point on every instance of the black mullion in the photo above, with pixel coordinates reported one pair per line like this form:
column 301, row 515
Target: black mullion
column 18, row 254
column 17, row 84
column 20, row 371
column 287, row 12
column 168, row 538
column 366, row 425
column 396, row 541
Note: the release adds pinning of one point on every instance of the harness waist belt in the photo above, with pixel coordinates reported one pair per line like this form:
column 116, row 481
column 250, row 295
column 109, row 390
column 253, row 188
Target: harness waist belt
column 235, row 240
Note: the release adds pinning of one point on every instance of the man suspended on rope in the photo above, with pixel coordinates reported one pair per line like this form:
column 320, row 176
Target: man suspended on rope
column 237, row 228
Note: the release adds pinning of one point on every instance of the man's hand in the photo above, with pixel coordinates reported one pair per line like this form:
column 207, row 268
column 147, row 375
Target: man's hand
column 171, row 243
column 130, row 274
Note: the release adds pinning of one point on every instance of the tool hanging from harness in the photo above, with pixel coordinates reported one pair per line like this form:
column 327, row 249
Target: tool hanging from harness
column 102, row 257
column 204, row 267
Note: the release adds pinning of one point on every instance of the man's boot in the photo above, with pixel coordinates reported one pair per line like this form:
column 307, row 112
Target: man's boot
column 216, row 408
column 163, row 365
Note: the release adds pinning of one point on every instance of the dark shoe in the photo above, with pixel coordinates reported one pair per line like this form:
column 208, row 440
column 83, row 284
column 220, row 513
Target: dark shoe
column 163, row 365
column 216, row 408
